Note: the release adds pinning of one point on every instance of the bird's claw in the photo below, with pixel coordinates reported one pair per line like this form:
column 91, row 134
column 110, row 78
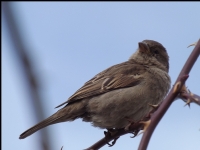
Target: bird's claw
column 133, row 125
column 113, row 142
column 135, row 133
column 110, row 133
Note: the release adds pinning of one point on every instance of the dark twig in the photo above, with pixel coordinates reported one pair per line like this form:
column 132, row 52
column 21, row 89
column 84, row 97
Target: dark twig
column 156, row 117
column 27, row 68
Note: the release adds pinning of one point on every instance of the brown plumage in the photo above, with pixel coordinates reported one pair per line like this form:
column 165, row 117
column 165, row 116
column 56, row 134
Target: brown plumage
column 123, row 90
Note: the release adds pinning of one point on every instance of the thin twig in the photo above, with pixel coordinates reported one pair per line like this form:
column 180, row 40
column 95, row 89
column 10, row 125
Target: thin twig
column 28, row 70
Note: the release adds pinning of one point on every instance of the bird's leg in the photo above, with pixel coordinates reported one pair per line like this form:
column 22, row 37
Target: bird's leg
column 143, row 124
column 134, row 127
column 110, row 133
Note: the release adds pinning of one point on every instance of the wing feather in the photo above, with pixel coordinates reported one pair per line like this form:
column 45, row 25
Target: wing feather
column 118, row 76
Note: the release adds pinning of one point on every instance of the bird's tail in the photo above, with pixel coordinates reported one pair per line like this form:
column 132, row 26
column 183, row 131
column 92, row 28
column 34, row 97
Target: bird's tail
column 68, row 113
column 50, row 120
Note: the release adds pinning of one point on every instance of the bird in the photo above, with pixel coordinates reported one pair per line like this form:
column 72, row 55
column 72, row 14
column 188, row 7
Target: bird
column 122, row 91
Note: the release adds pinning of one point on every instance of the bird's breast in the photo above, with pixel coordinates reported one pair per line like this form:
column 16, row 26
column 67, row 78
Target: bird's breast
column 158, row 82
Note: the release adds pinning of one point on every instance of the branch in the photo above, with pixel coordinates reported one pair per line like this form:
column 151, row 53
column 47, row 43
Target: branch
column 188, row 97
column 176, row 92
column 27, row 68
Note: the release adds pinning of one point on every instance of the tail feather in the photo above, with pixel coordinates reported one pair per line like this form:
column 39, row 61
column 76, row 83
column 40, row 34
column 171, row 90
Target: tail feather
column 67, row 113
column 51, row 120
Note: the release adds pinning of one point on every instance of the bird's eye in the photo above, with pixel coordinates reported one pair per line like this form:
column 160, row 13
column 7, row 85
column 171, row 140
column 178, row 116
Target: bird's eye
column 156, row 52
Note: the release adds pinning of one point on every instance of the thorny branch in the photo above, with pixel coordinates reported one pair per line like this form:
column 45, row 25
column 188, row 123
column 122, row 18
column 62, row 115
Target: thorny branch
column 187, row 96
column 179, row 90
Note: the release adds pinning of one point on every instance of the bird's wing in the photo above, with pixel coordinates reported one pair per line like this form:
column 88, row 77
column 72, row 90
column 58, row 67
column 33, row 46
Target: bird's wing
column 122, row 75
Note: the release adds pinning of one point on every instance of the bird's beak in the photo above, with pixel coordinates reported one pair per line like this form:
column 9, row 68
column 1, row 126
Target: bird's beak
column 143, row 47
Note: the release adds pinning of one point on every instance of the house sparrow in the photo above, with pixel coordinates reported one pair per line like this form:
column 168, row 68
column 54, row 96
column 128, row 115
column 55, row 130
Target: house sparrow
column 122, row 91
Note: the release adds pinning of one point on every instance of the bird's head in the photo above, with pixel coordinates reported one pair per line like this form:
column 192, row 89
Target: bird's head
column 153, row 52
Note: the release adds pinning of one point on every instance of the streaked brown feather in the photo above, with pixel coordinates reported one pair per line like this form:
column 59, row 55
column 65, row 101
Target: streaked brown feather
column 118, row 76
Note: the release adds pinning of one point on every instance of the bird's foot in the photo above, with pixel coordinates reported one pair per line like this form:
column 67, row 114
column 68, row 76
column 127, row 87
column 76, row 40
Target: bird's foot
column 110, row 133
column 135, row 133
column 134, row 127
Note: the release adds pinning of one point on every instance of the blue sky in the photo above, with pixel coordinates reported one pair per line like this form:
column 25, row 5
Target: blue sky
column 70, row 42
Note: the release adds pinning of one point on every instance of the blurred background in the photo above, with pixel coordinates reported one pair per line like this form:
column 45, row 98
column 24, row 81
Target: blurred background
column 50, row 49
